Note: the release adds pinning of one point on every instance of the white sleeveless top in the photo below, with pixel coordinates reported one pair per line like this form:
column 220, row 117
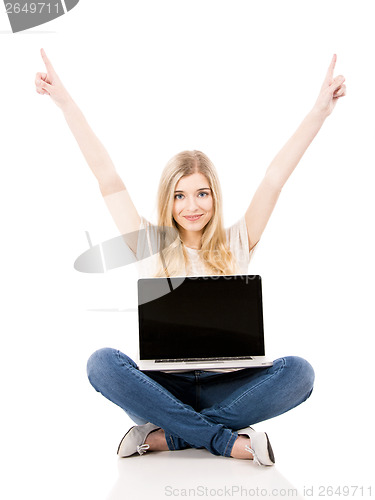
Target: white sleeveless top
column 237, row 238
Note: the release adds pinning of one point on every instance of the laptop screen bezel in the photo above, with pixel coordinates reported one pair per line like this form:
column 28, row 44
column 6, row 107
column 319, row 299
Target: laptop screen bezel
column 142, row 282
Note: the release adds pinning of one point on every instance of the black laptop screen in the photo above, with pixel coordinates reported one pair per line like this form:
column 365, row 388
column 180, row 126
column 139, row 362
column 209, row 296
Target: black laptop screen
column 201, row 317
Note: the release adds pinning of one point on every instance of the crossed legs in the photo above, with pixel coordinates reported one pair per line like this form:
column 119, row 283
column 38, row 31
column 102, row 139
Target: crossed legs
column 200, row 409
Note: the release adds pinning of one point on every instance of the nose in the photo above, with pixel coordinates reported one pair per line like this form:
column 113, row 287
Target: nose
column 192, row 204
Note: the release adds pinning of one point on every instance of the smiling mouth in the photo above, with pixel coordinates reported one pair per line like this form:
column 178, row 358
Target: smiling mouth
column 192, row 217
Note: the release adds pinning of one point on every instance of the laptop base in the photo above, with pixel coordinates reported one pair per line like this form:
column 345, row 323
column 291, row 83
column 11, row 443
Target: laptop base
column 255, row 362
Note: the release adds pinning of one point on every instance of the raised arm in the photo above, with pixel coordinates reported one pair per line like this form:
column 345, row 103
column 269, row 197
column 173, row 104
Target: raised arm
column 281, row 167
column 111, row 186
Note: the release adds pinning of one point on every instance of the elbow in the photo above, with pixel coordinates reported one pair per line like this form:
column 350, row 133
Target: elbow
column 110, row 184
column 274, row 181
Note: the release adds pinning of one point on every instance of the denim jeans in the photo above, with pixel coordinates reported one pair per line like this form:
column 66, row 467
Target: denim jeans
column 201, row 409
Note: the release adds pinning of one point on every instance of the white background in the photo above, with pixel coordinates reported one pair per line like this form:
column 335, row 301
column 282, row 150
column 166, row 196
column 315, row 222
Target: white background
column 233, row 79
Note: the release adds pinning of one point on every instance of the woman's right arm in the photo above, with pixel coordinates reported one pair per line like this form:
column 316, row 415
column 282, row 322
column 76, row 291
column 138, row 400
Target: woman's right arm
column 110, row 183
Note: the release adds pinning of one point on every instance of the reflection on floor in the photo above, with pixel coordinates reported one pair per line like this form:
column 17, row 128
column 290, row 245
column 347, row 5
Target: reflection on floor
column 197, row 473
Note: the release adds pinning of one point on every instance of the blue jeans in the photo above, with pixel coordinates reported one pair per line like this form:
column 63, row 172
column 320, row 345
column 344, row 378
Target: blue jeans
column 200, row 409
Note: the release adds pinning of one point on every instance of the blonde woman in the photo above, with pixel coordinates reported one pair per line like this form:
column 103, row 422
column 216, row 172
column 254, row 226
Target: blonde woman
column 202, row 408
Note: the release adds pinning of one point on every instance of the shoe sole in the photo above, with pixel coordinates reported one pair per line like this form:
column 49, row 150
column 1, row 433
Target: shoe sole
column 270, row 450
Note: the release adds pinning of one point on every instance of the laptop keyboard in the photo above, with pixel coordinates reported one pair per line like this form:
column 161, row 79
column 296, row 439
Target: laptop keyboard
column 187, row 360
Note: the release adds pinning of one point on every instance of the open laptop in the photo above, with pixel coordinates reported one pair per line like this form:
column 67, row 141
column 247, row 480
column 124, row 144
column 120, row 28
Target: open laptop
column 203, row 322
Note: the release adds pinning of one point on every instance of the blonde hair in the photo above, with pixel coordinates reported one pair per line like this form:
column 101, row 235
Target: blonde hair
column 215, row 253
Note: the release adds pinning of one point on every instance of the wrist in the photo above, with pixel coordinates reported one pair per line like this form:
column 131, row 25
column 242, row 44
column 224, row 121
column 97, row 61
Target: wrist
column 318, row 113
column 68, row 106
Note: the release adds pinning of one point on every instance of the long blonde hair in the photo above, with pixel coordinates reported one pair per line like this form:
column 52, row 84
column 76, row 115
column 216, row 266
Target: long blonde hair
column 215, row 253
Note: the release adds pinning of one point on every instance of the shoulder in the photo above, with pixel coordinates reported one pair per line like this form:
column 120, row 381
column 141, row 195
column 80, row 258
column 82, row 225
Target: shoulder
column 151, row 237
column 238, row 238
column 237, row 233
column 145, row 222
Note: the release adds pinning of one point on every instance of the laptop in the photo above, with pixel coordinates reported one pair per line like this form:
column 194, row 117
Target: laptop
column 201, row 322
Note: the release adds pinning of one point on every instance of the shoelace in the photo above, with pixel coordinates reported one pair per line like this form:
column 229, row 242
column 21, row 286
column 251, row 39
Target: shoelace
column 255, row 458
column 142, row 448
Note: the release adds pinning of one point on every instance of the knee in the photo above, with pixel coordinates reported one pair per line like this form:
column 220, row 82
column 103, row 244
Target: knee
column 102, row 363
column 301, row 372
column 98, row 364
column 297, row 374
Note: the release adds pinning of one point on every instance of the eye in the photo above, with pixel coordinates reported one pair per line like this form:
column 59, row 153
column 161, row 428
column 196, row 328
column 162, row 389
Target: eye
column 205, row 194
column 178, row 195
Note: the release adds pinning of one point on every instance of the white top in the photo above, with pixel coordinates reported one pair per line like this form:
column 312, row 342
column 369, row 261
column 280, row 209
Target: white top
column 147, row 259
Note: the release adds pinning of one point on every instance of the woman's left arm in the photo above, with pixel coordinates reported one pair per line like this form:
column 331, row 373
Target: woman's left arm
column 281, row 167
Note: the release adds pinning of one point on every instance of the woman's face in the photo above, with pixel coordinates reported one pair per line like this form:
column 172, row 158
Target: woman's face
column 193, row 197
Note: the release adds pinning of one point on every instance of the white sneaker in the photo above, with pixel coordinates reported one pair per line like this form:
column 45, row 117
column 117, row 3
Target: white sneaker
column 134, row 439
column 260, row 446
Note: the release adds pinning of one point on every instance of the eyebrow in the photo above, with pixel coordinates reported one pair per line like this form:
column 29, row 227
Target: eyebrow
column 200, row 189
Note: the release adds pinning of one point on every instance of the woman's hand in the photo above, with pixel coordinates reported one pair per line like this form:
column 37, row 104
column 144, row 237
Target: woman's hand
column 332, row 89
column 50, row 84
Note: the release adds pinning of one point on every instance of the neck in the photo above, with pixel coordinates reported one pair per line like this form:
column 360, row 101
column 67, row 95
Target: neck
column 191, row 239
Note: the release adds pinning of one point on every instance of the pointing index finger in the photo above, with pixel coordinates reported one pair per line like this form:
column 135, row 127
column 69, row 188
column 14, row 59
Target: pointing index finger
column 331, row 69
column 47, row 62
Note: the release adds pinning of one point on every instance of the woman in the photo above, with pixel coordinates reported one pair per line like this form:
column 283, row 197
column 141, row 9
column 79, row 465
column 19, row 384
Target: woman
column 209, row 409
